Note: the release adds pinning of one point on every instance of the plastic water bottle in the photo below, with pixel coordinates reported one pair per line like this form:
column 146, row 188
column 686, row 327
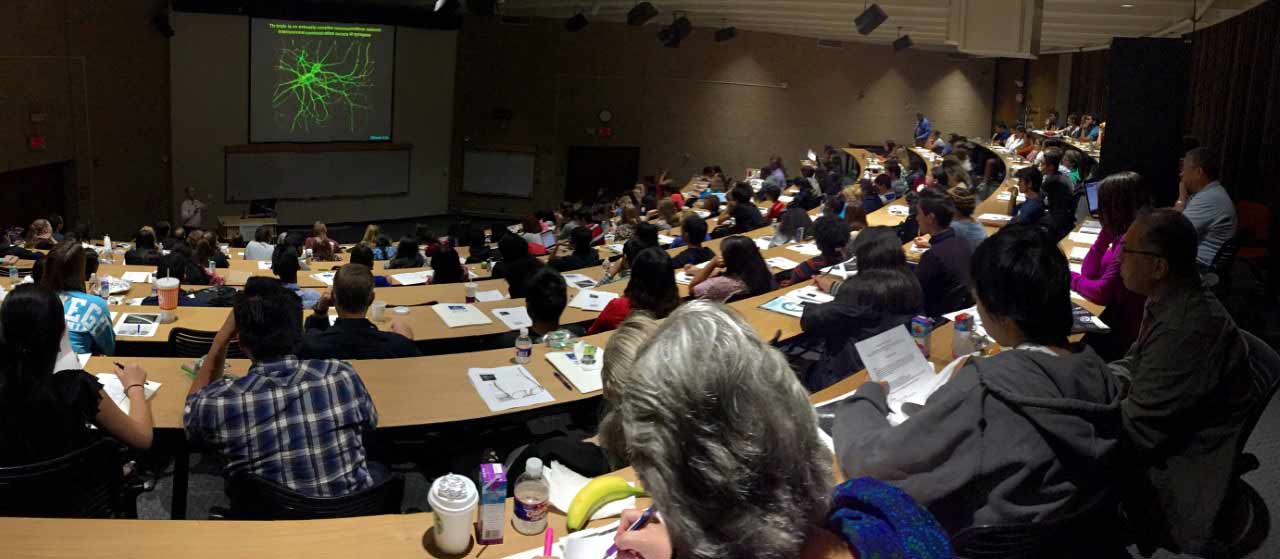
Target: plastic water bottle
column 108, row 256
column 104, row 289
column 532, row 493
column 14, row 280
column 212, row 270
column 524, row 346
column 962, row 340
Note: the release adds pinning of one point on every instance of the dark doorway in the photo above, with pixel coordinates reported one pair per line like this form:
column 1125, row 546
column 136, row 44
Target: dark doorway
column 593, row 171
column 33, row 193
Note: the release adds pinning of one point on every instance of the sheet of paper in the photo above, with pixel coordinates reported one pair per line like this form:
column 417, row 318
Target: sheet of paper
column 509, row 387
column 565, row 485
column 812, row 156
column 591, row 300
column 579, row 281
column 994, row 217
column 138, row 325
column 1004, row 196
column 665, row 240
column 1075, row 267
column 809, row 249
column 765, row 243
column 1083, row 238
column 490, row 295
column 136, row 277
column 782, row 263
column 756, row 184
column 1078, row 254
column 586, row 378
column 413, row 278
column 892, row 356
column 702, row 213
column 1078, row 297
column 67, row 358
column 115, row 390
column 591, row 543
column 899, row 210
column 514, row 317
column 456, row 315
column 324, row 277
column 264, row 264
column 843, row 270
column 616, row 248
column 790, row 306
column 683, row 278
column 785, row 199
column 811, row 294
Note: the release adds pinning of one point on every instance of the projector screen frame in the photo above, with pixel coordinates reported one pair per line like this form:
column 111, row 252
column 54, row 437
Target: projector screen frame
column 317, row 147
column 391, row 108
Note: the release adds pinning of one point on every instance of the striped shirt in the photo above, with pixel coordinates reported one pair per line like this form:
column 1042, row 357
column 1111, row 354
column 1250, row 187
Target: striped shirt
column 297, row 423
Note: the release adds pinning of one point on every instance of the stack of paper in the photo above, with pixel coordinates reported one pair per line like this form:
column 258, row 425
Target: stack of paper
column 455, row 315
column 1078, row 253
column 514, row 317
column 782, row 263
column 810, row 249
column 586, row 378
column 1083, row 238
column 505, row 388
column 892, row 357
column 994, row 217
column 413, row 278
column 590, row 300
column 137, row 277
column 579, row 281
column 114, row 389
column 490, row 295
column 324, row 277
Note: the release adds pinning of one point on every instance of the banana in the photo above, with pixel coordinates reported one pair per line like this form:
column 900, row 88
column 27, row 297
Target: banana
column 598, row 493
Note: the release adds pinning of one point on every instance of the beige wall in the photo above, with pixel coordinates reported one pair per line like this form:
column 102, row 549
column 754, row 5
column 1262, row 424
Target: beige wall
column 99, row 73
column 787, row 96
column 210, row 78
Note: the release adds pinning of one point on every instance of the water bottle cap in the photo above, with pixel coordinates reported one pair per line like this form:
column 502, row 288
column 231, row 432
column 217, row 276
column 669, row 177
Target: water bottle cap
column 533, row 467
column 524, row 331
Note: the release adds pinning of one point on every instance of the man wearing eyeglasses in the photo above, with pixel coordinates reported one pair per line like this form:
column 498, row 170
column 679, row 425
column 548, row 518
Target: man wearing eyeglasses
column 1190, row 388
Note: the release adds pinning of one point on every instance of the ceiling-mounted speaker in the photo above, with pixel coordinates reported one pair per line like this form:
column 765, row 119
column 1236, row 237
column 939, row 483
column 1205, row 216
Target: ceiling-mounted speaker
column 902, row 43
column 641, row 14
column 726, row 34
column 576, row 23
column 870, row 19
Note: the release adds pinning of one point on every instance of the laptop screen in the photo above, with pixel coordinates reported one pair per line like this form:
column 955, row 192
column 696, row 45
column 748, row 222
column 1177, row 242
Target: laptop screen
column 1091, row 191
column 548, row 238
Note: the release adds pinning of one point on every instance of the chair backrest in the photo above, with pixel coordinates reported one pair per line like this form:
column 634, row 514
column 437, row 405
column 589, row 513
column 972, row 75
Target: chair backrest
column 255, row 498
column 1265, row 365
column 86, row 483
column 184, row 342
column 1091, row 531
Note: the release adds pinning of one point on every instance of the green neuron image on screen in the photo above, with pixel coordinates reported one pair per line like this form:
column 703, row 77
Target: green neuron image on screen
column 320, row 81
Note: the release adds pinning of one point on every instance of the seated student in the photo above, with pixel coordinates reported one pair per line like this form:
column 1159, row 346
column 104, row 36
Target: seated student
column 285, row 266
column 962, row 222
column 47, row 413
column 1191, row 388
column 427, row 240
column 408, row 255
column 164, row 235
column 545, row 299
column 531, row 228
column 746, row 216
column 382, row 249
column 40, row 235
column 447, row 267
column 1002, row 133
column 352, row 336
column 362, row 254
column 737, row 272
column 324, row 252
column 180, row 265
column 771, row 194
column 371, row 234
column 296, row 422
column 56, row 225
column 651, row 288
column 517, row 265
column 478, row 246
column 830, row 234
column 666, row 216
column 1056, row 188
column 87, row 317
column 320, row 234
column 1032, row 211
column 1206, row 204
column 261, row 247
column 944, row 268
column 883, row 294
column 144, row 252
column 1088, row 131
column 1121, row 198
column 583, row 256
column 693, row 231
column 900, row 185
column 205, row 249
column 1027, row 435
column 627, row 221
column 683, row 427
column 1070, row 165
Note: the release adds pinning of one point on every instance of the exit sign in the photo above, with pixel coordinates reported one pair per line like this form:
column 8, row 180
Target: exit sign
column 37, row 143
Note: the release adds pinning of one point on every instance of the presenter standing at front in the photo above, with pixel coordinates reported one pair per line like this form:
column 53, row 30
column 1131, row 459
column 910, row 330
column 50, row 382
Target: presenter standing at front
column 193, row 211
column 923, row 128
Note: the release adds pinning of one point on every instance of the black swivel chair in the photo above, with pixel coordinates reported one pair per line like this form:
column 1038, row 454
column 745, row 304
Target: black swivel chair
column 87, row 483
column 184, row 342
column 1092, row 531
column 255, row 498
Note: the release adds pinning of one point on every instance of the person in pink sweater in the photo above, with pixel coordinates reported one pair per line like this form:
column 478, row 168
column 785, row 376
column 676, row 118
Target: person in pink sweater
column 1121, row 197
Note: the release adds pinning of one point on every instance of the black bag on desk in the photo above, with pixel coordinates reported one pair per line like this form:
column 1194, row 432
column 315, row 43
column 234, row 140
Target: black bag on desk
column 217, row 296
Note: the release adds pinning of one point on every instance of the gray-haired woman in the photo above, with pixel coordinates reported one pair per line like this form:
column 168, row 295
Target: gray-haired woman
column 724, row 439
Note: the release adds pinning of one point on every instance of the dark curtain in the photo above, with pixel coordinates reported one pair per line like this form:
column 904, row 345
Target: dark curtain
column 1235, row 99
column 1089, row 83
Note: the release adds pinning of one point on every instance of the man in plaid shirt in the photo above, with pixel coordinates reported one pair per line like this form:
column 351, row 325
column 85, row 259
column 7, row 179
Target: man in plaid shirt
column 297, row 423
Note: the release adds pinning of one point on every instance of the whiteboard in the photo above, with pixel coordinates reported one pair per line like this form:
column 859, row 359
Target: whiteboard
column 498, row 173
column 316, row 174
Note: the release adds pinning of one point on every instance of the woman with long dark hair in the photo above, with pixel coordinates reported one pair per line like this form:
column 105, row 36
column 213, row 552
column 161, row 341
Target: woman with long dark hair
column 87, row 317
column 738, row 271
column 408, row 255
column 651, row 288
column 447, row 267
column 44, row 413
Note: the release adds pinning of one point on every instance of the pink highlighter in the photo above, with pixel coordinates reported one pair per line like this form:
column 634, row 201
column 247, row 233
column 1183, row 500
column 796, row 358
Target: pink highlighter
column 548, row 541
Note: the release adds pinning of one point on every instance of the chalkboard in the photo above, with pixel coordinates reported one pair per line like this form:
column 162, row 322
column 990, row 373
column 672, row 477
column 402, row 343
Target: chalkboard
column 498, row 173
column 303, row 175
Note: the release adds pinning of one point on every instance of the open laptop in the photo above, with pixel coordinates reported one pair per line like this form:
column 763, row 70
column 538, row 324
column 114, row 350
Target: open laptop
column 1091, row 192
column 548, row 238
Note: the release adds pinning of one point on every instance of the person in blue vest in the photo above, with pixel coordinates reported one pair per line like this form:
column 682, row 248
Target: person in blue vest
column 923, row 129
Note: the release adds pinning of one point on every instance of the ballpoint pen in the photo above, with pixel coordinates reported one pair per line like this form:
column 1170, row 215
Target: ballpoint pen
column 638, row 524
